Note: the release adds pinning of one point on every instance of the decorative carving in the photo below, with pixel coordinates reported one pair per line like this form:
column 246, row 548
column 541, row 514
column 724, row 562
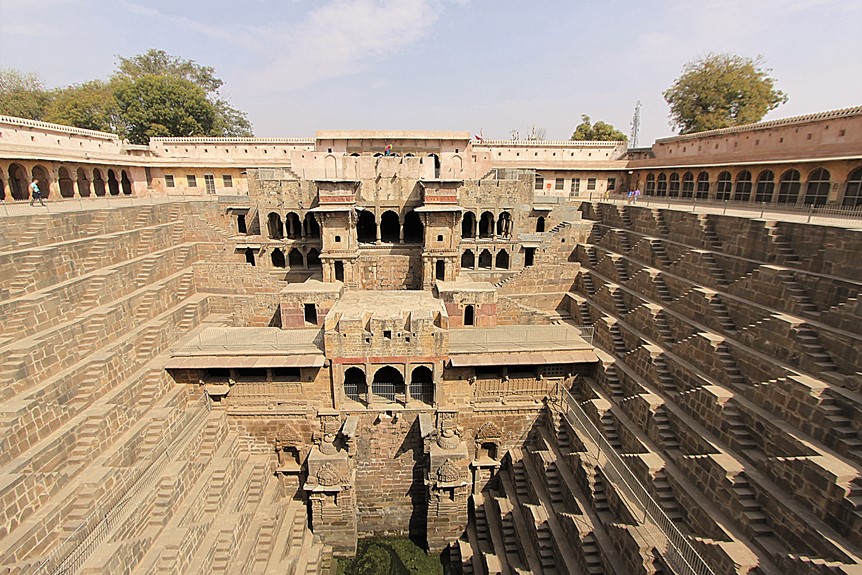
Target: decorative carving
column 328, row 476
column 488, row 431
column 327, row 445
column 448, row 472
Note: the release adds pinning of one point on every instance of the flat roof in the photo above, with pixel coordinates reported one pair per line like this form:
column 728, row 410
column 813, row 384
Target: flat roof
column 385, row 304
column 254, row 342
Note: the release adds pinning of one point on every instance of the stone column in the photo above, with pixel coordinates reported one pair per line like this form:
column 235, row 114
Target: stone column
column 331, row 490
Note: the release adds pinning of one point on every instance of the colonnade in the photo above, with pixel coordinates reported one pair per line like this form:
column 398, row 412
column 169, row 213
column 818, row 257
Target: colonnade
column 59, row 181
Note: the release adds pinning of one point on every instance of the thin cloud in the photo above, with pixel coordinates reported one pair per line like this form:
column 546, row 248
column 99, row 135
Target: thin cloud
column 343, row 37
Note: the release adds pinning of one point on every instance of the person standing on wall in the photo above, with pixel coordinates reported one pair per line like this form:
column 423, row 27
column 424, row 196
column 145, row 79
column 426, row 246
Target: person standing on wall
column 36, row 193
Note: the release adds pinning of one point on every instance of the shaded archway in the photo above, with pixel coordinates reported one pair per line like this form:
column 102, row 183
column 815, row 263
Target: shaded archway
column 468, row 259
column 469, row 315
column 436, row 159
column 390, row 227
column 125, row 183
column 355, row 387
column 292, row 225
column 504, row 224
column 113, row 183
column 311, row 227
column 277, row 257
column 366, row 227
column 502, row 260
column 18, row 182
column 853, row 191
column 789, row 187
column 661, row 185
column 313, row 258
column 422, row 385
column 688, row 185
column 294, row 258
column 41, row 174
column 674, row 185
column 817, row 191
column 468, row 225
column 83, row 183
column 67, row 186
column 742, row 193
column 274, row 227
column 723, row 186
column 702, row 186
column 650, row 184
column 485, row 259
column 388, row 382
column 765, row 186
column 540, row 224
column 486, row 225
column 249, row 256
column 414, row 231
column 98, row 182
column 440, row 270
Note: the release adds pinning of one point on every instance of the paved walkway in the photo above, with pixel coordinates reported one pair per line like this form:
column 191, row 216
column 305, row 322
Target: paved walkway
column 55, row 206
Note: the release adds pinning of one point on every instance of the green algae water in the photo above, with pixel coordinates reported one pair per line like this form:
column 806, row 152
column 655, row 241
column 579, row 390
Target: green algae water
column 389, row 556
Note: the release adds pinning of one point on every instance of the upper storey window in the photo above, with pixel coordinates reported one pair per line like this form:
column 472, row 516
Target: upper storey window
column 191, row 181
column 169, row 181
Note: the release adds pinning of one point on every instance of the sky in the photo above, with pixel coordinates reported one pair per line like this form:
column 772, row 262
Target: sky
column 484, row 66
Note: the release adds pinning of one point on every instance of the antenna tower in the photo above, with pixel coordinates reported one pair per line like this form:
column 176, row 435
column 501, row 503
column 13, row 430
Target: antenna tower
column 636, row 125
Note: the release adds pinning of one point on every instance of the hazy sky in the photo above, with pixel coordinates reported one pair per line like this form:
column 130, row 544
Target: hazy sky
column 296, row 66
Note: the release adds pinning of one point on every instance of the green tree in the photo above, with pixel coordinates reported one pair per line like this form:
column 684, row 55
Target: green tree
column 600, row 131
column 154, row 106
column 228, row 120
column 721, row 90
column 22, row 94
column 91, row 105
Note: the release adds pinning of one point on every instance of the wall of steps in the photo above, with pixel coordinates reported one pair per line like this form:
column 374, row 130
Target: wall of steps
column 103, row 458
column 732, row 356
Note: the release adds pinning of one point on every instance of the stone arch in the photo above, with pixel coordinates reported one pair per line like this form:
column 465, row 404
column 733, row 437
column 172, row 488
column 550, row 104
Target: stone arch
column 702, row 186
column 485, row 259
column 540, row 224
column 504, row 224
column 113, row 183
column 311, row 227
column 293, row 225
column 742, row 193
column 436, row 159
column 313, row 258
column 486, row 225
column 817, row 191
column 789, row 187
column 83, row 183
column 502, row 260
column 853, row 190
column 366, row 227
column 688, row 185
column 414, row 231
column 277, row 257
column 18, row 182
column 673, row 190
column 330, row 167
column 468, row 259
column 274, row 227
column 294, row 258
column 41, row 173
column 355, row 386
column 388, row 383
column 390, row 227
column 650, row 184
column 125, row 183
column 723, row 185
column 457, row 165
column 422, row 384
column 67, row 186
column 98, row 182
column 765, row 186
column 249, row 256
column 661, row 185
column 468, row 225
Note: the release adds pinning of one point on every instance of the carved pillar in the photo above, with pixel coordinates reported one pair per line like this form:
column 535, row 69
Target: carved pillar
column 448, row 489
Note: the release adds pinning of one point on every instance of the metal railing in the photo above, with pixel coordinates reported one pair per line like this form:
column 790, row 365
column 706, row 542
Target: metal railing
column 73, row 552
column 673, row 545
